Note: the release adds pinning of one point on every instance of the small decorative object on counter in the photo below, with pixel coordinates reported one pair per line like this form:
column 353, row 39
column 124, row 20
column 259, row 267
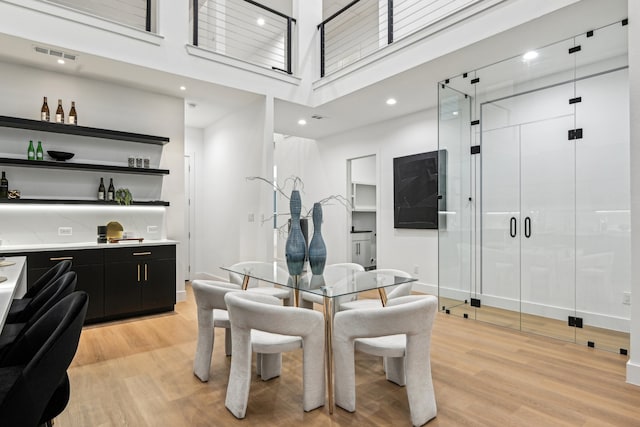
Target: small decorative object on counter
column 138, row 162
column 102, row 234
column 59, row 112
column 73, row 116
column 44, row 111
column 317, row 248
column 146, row 162
column 111, row 192
column 39, row 154
column 123, row 196
column 14, row 194
column 132, row 161
column 31, row 152
column 101, row 190
column 4, row 186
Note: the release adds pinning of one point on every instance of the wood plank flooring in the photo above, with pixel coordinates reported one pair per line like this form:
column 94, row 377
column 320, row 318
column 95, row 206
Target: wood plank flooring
column 139, row 373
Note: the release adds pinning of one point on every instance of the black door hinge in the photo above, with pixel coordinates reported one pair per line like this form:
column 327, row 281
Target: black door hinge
column 475, row 122
column 575, row 322
column 476, row 80
column 575, row 100
column 475, row 302
column 575, row 49
column 475, row 149
column 575, row 134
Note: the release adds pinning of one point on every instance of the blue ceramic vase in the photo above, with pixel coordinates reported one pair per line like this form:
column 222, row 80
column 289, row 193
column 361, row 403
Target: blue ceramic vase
column 296, row 247
column 317, row 248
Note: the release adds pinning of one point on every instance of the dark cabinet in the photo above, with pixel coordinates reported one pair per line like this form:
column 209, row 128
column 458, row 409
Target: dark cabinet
column 88, row 265
column 139, row 279
column 121, row 281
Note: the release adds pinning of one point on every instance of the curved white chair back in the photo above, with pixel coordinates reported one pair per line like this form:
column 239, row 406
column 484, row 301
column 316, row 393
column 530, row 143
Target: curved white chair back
column 396, row 291
column 267, row 268
column 412, row 317
column 332, row 273
column 209, row 295
column 249, row 311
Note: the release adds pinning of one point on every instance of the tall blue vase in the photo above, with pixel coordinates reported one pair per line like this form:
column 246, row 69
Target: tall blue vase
column 317, row 248
column 296, row 247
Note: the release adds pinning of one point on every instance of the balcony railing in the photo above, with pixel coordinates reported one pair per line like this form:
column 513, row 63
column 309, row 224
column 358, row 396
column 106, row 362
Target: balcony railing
column 135, row 13
column 244, row 29
column 363, row 27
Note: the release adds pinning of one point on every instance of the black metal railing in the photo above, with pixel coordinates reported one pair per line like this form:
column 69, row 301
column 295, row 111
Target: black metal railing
column 135, row 13
column 363, row 27
column 246, row 30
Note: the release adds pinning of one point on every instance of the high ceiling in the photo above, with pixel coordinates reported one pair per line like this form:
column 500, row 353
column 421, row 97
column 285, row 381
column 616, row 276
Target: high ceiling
column 414, row 89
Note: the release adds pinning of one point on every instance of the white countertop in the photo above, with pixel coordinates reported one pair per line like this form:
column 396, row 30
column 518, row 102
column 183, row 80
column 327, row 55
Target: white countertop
column 35, row 247
column 14, row 286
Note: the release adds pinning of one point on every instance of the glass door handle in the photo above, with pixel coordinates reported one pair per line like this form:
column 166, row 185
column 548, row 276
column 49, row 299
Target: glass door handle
column 527, row 227
column 513, row 226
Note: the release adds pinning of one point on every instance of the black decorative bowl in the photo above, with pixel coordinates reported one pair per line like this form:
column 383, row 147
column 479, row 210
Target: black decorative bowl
column 60, row 155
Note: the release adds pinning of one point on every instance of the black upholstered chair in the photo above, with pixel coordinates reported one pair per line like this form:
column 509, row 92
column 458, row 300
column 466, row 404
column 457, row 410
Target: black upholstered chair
column 18, row 305
column 34, row 368
column 38, row 306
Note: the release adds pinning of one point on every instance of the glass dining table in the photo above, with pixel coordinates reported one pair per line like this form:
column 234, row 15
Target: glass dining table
column 337, row 283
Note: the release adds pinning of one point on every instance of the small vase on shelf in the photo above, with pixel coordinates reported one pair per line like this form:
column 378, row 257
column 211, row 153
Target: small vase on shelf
column 317, row 248
column 295, row 248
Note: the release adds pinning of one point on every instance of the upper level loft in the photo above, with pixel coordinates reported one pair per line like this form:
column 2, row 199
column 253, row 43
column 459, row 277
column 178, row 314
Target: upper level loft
column 286, row 48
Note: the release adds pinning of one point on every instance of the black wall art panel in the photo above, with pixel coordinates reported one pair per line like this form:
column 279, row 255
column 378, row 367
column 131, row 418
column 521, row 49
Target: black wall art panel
column 418, row 188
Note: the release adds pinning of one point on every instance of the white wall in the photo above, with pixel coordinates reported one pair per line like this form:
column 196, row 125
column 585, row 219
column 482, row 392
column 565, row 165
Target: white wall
column 103, row 105
column 325, row 173
column 633, row 366
column 234, row 148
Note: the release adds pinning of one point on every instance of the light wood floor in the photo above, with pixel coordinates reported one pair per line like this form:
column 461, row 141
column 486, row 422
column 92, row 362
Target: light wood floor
column 139, row 373
column 603, row 339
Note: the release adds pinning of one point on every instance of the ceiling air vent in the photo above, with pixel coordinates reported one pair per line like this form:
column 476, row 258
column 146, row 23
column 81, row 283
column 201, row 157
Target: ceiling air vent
column 56, row 53
column 318, row 117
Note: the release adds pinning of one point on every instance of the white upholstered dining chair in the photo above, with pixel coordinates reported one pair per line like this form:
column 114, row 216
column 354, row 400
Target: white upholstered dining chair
column 212, row 313
column 283, row 293
column 399, row 332
column 260, row 323
column 396, row 291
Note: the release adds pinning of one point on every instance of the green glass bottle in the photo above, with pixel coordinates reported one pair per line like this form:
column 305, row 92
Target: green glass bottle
column 39, row 154
column 31, row 152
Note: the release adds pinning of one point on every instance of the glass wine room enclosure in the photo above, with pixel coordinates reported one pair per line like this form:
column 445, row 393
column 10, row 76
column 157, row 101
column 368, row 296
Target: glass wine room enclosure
column 535, row 230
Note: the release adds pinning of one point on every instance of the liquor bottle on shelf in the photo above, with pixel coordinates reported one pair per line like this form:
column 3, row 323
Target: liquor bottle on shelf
column 39, row 154
column 44, row 111
column 59, row 112
column 101, row 192
column 31, row 152
column 73, row 116
column 111, row 192
column 4, row 187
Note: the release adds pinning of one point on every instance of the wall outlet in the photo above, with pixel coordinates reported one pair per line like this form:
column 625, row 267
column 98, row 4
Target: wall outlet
column 152, row 229
column 626, row 298
column 65, row 231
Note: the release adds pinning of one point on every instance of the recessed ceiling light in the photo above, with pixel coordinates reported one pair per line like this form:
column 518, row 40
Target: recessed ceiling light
column 302, row 122
column 260, row 21
column 455, row 113
column 532, row 54
column 60, row 61
column 183, row 88
column 391, row 101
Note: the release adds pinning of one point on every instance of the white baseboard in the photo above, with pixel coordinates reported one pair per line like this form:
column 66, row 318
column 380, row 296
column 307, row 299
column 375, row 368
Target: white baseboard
column 181, row 296
column 633, row 373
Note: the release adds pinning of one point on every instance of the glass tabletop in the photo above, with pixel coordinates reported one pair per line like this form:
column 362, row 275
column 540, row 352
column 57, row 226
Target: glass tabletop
column 336, row 280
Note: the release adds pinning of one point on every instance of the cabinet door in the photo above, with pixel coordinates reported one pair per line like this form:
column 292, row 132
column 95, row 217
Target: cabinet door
column 158, row 284
column 122, row 290
column 91, row 280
